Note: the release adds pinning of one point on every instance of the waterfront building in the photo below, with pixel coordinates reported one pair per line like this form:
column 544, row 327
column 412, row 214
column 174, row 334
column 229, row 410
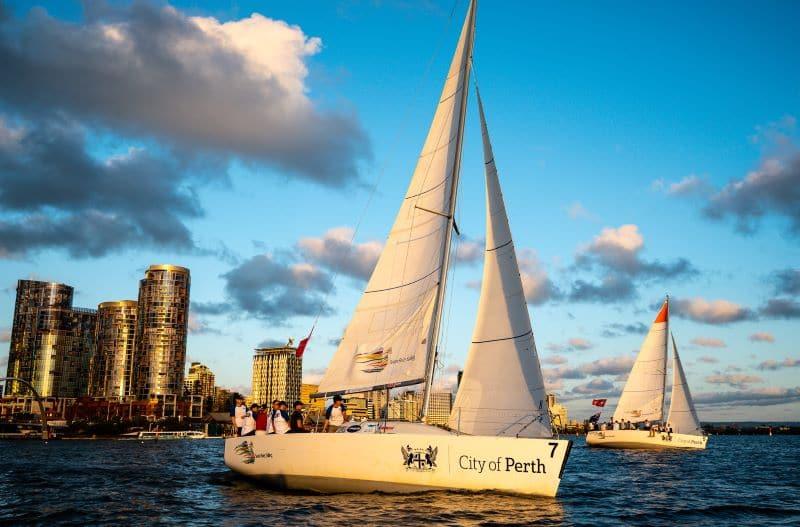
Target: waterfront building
column 161, row 329
column 222, row 399
column 112, row 366
column 199, row 381
column 439, row 407
column 356, row 406
column 558, row 412
column 277, row 374
column 312, row 404
column 51, row 342
column 405, row 407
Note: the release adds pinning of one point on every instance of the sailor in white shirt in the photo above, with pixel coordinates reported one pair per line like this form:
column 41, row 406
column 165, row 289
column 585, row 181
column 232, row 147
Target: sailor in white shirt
column 280, row 420
column 335, row 415
column 238, row 415
column 249, row 426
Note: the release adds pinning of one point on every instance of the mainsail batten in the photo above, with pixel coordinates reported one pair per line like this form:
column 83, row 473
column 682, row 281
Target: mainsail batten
column 502, row 389
column 643, row 396
column 682, row 414
column 390, row 339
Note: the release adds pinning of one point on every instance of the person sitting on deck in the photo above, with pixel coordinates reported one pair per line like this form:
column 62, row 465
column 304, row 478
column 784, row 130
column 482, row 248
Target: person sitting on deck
column 271, row 415
column 335, row 415
column 296, row 422
column 646, row 424
column 262, row 421
column 280, row 419
column 249, row 426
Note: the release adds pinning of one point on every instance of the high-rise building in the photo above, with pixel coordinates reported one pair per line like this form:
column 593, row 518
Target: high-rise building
column 277, row 374
column 51, row 343
column 112, row 366
column 558, row 412
column 439, row 406
column 406, row 407
column 161, row 328
column 311, row 404
column 199, row 381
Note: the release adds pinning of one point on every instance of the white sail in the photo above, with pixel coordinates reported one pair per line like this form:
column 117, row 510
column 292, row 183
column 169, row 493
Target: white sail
column 643, row 396
column 390, row 339
column 682, row 415
column 502, row 389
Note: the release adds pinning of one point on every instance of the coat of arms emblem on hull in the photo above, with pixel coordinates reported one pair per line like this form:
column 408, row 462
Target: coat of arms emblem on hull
column 245, row 451
column 419, row 459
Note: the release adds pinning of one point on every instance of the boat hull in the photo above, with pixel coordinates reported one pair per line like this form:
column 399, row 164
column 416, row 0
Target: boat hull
column 400, row 463
column 641, row 439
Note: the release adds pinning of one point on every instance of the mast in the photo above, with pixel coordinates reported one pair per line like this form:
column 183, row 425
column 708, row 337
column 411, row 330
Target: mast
column 440, row 295
column 666, row 361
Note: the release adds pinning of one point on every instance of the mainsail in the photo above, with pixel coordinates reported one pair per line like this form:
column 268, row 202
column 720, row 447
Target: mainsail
column 502, row 389
column 391, row 339
column 682, row 415
column 643, row 396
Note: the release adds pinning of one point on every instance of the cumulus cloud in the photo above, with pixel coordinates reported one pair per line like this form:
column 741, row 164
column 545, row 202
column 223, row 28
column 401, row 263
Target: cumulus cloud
column 707, row 359
column 762, row 336
column 5, row 335
column 236, row 88
column 734, row 380
column 771, row 189
column 785, row 308
column 336, row 251
column 554, row 359
column 787, row 281
column 610, row 289
column 706, row 342
column 754, row 397
column 607, row 366
column 709, row 311
column 275, row 288
column 56, row 195
column 595, row 388
column 617, row 252
column 469, row 251
column 198, row 326
column 617, row 329
column 691, row 185
column 536, row 283
column 573, row 344
column 776, row 365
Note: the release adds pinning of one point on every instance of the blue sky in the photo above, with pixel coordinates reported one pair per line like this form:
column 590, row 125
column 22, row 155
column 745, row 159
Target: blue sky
column 654, row 147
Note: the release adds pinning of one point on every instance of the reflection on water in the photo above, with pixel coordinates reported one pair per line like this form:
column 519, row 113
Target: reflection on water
column 738, row 480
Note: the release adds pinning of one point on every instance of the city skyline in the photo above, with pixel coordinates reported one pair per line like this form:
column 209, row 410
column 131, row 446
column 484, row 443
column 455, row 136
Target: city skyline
column 632, row 169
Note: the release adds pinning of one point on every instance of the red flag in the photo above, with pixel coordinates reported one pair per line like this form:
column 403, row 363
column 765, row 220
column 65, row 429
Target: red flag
column 301, row 348
column 599, row 402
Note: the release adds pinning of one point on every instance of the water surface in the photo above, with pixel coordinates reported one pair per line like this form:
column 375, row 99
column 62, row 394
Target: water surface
column 737, row 481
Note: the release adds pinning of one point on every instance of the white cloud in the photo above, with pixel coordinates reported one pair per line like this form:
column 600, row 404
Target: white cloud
column 776, row 365
column 762, row 336
column 337, row 251
column 536, row 283
column 735, row 380
column 709, row 311
column 706, row 342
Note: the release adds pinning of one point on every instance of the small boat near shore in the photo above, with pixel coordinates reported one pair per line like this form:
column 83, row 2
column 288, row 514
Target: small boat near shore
column 164, row 436
column 642, row 400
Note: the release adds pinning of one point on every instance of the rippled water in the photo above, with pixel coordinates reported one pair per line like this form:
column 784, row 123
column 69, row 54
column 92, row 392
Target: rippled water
column 737, row 481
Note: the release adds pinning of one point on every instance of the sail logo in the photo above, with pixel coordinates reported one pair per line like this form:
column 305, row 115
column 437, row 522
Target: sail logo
column 419, row 459
column 245, row 451
column 374, row 361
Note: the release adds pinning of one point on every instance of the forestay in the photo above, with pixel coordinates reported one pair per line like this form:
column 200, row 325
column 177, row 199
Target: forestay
column 390, row 336
column 643, row 396
column 682, row 415
column 502, row 389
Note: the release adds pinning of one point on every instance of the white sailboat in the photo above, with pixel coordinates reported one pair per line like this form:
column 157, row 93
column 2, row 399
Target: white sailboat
column 642, row 400
column 391, row 342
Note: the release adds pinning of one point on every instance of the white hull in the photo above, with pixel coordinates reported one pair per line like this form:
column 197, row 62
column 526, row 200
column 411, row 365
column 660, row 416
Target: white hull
column 642, row 439
column 395, row 462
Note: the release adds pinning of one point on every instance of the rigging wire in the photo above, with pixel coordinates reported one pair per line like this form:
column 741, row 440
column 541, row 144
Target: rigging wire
column 381, row 172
